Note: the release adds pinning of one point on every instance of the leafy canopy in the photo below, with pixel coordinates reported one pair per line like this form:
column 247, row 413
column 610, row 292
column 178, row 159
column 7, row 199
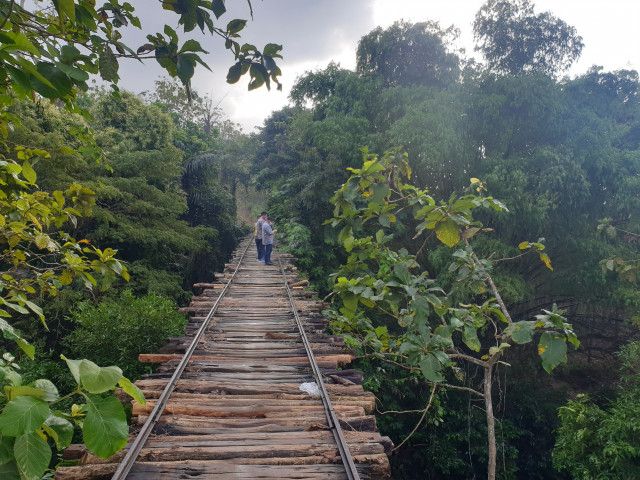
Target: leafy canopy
column 51, row 50
column 393, row 311
column 408, row 54
column 375, row 276
column 598, row 442
column 514, row 39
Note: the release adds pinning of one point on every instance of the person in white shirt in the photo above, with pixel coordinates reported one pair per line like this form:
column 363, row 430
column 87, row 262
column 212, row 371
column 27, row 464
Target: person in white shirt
column 267, row 240
column 258, row 234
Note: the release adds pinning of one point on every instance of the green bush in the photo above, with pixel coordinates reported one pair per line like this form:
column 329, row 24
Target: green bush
column 314, row 258
column 116, row 331
column 602, row 442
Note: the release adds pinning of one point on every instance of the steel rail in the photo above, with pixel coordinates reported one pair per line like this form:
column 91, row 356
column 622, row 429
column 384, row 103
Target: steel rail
column 332, row 418
column 132, row 454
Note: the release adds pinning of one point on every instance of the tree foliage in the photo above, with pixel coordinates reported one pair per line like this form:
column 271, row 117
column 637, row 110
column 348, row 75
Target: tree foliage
column 118, row 330
column 434, row 334
column 563, row 155
column 48, row 50
column 598, row 442
column 199, row 111
column 52, row 49
column 514, row 40
column 38, row 258
column 408, row 54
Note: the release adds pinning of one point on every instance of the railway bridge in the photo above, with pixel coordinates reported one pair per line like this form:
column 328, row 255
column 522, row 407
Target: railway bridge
column 254, row 390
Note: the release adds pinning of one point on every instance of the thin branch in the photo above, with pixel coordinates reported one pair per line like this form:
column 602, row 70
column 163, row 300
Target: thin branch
column 512, row 258
column 494, row 289
column 6, row 19
column 445, row 385
column 495, row 326
column 468, row 358
column 371, row 355
column 626, row 231
column 464, row 389
column 406, row 367
column 424, row 413
column 422, row 246
column 389, row 412
column 388, row 313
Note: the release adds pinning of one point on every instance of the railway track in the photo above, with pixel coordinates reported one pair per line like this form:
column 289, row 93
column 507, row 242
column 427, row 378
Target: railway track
column 235, row 397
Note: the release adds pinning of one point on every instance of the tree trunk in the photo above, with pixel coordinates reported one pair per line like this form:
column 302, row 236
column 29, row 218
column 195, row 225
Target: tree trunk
column 491, row 424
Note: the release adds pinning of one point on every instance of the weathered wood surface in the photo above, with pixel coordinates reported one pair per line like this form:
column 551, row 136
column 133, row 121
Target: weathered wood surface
column 237, row 411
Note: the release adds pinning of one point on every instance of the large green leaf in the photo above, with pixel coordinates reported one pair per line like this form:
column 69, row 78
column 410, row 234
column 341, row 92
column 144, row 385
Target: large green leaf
column 235, row 72
column 259, row 76
column 431, row 368
column 380, row 191
column 192, row 46
column 61, row 84
column 6, row 449
column 69, row 54
column 17, row 41
column 402, row 273
column 13, row 392
column 348, row 243
column 185, row 68
column 470, row 338
column 350, row 301
column 26, row 347
column 448, row 233
column 28, row 172
column 63, row 429
column 552, row 349
column 23, row 415
column 420, row 306
column 105, row 426
column 234, row 26
column 218, row 8
column 9, row 375
column 66, row 8
column 74, row 367
column 108, row 64
column 132, row 390
column 10, row 333
column 272, row 50
column 50, row 391
column 73, row 72
column 9, row 471
column 21, row 81
column 97, row 379
column 32, row 455
column 521, row 332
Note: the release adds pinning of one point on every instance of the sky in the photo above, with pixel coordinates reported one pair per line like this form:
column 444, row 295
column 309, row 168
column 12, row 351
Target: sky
column 316, row 32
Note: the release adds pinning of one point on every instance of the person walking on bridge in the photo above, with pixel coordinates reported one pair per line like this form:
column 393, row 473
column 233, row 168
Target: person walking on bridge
column 258, row 235
column 267, row 239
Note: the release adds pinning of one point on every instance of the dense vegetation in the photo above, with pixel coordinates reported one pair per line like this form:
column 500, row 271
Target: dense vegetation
column 518, row 196
column 96, row 186
column 561, row 154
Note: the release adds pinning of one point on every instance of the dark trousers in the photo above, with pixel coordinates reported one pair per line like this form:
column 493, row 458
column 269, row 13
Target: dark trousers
column 260, row 248
column 267, row 253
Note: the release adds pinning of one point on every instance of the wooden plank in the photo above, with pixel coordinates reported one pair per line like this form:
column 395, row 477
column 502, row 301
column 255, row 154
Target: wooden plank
column 372, row 467
column 161, row 358
column 238, row 411
column 204, row 425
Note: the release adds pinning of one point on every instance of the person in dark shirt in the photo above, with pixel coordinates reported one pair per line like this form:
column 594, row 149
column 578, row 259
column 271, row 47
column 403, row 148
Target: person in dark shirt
column 258, row 234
